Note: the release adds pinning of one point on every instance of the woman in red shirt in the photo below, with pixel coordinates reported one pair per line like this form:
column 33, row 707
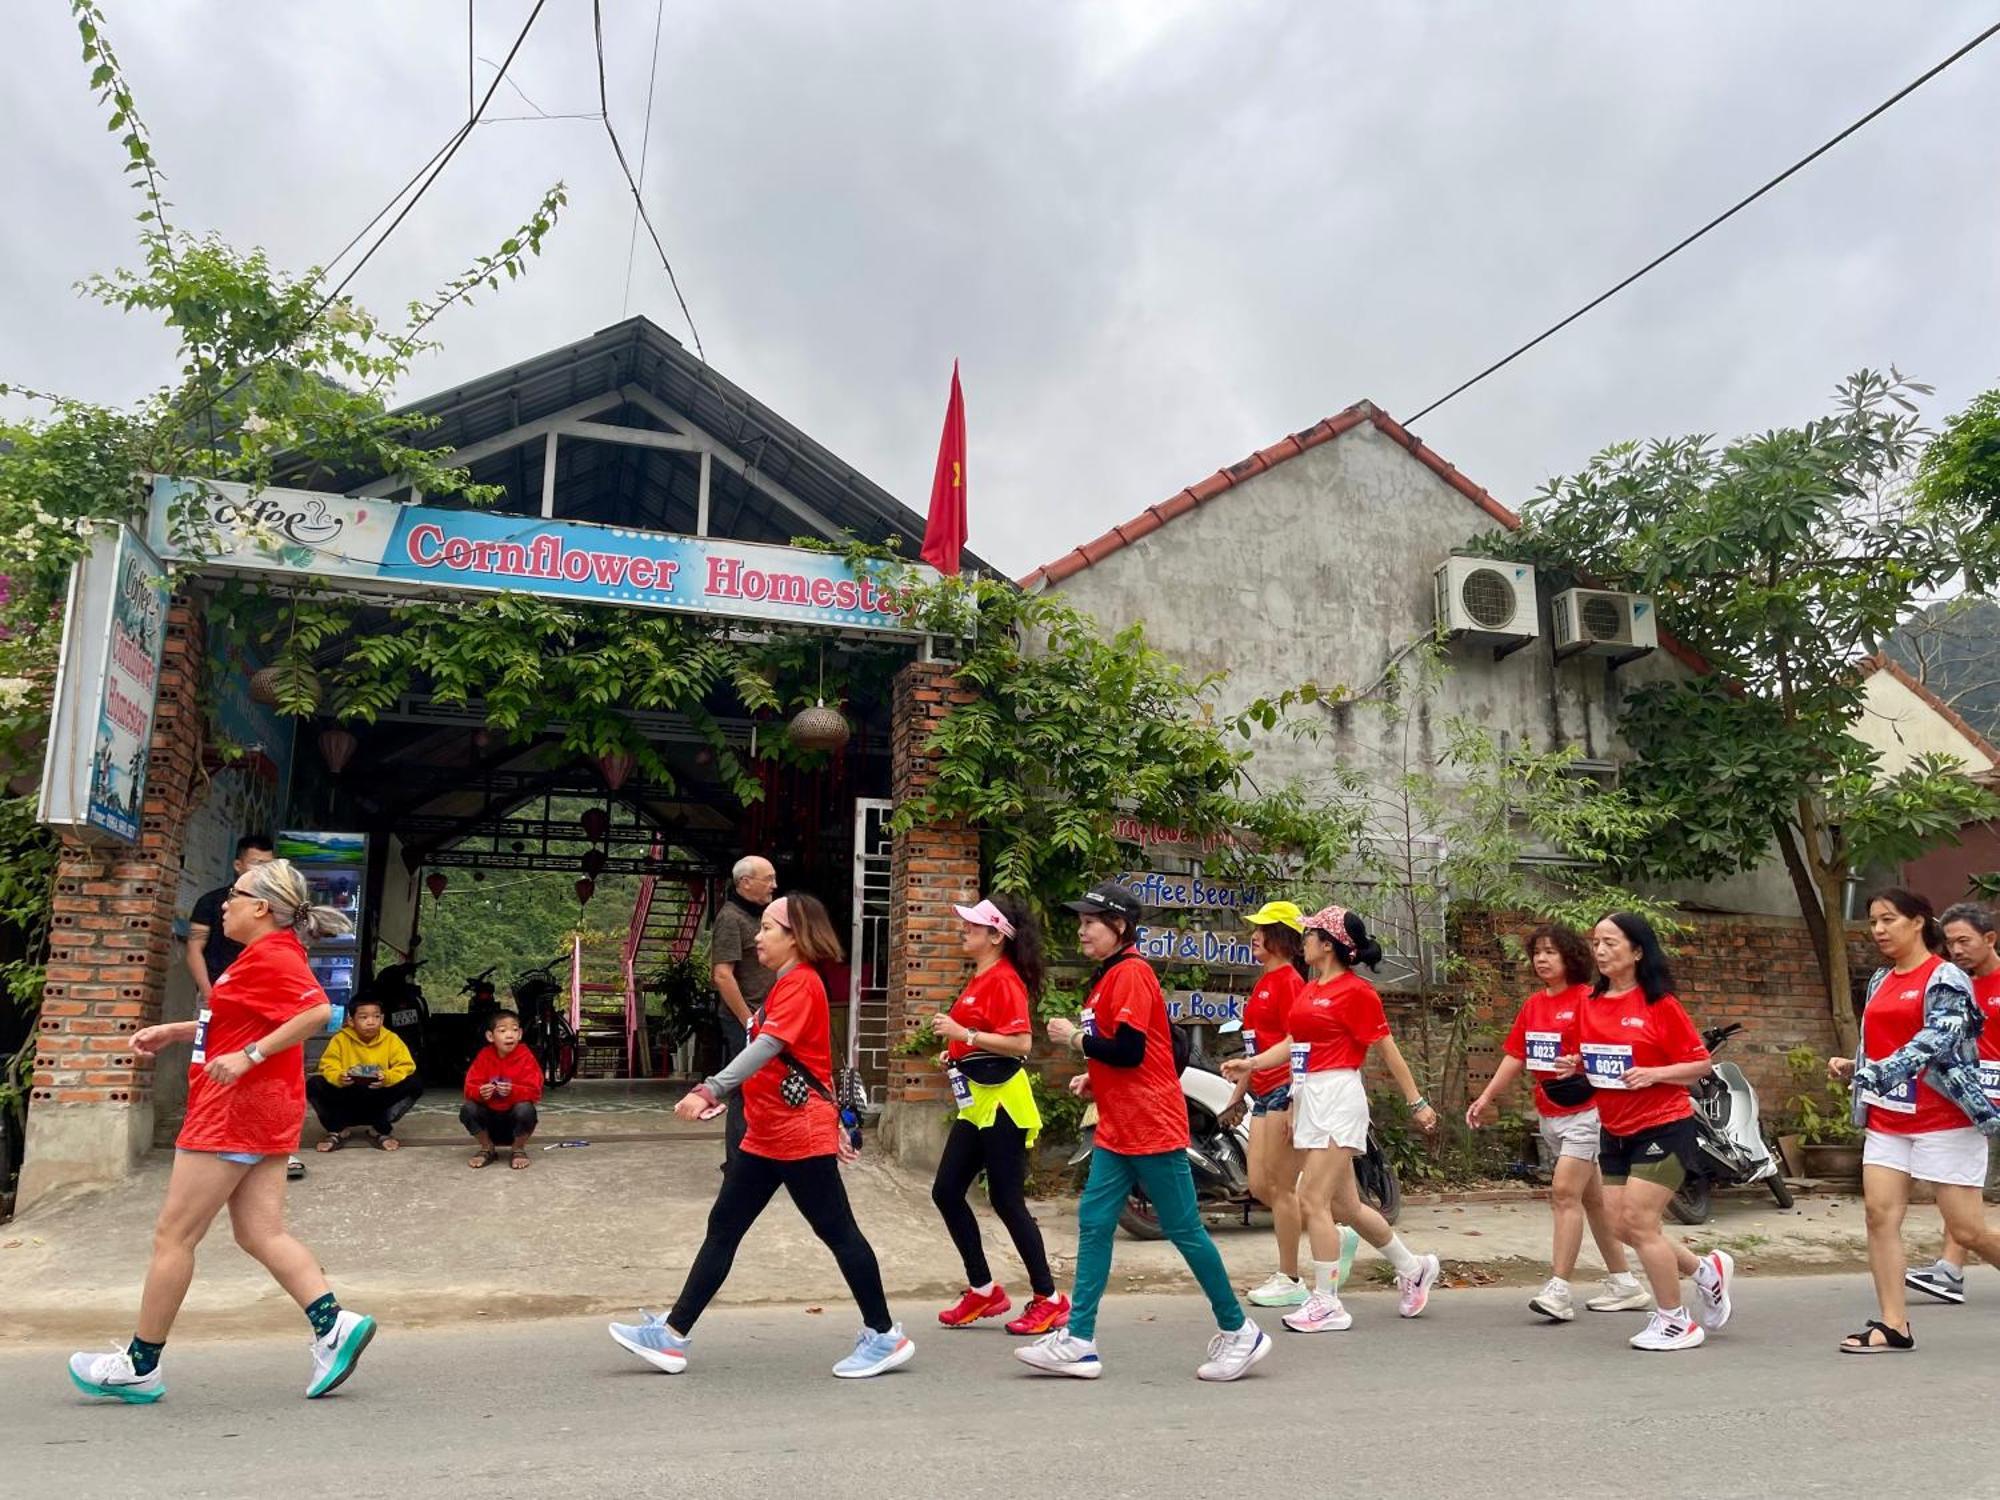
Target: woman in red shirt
column 1569, row 1124
column 1640, row 1051
column 245, row 1106
column 1335, row 1020
column 987, row 1036
column 795, row 1137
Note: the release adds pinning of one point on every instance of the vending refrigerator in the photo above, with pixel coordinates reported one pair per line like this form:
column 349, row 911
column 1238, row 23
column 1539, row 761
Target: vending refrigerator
column 335, row 867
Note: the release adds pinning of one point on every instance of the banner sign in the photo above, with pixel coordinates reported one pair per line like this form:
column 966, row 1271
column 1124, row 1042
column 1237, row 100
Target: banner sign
column 1215, row 950
column 1190, row 892
column 414, row 549
column 1203, row 1008
column 107, row 687
column 1130, row 830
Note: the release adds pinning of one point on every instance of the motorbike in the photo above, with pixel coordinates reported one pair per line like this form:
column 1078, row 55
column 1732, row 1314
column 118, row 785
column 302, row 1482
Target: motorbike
column 405, row 1010
column 544, row 1028
column 1219, row 1157
column 1729, row 1136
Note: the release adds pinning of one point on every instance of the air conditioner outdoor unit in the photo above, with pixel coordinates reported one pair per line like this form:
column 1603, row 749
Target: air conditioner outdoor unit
column 1600, row 622
column 1486, row 600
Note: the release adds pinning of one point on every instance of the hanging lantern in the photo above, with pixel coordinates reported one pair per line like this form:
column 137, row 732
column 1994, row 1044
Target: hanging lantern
column 295, row 678
column 819, row 728
column 593, row 862
column 596, row 823
column 337, row 747
column 481, row 738
column 615, row 765
column 435, row 884
column 585, row 888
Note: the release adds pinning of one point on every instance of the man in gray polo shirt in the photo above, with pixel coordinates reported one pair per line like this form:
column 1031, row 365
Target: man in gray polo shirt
column 740, row 980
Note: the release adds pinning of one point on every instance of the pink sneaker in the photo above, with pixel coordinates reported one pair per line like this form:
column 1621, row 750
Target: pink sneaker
column 1416, row 1289
column 1319, row 1313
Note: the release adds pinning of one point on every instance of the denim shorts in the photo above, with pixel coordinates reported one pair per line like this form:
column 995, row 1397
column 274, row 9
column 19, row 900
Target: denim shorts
column 239, row 1158
column 1274, row 1103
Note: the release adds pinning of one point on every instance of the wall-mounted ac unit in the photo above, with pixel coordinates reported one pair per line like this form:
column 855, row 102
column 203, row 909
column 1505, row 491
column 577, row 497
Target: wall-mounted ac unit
column 1488, row 601
column 1599, row 622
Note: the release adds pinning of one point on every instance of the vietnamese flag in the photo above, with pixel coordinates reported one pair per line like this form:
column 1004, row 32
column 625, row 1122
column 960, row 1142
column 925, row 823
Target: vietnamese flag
column 944, row 533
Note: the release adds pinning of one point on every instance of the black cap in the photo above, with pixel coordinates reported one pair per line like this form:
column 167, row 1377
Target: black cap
column 1108, row 899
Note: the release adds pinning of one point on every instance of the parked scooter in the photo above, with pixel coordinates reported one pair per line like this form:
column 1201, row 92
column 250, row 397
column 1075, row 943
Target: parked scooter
column 1219, row 1156
column 405, row 1010
column 1730, row 1137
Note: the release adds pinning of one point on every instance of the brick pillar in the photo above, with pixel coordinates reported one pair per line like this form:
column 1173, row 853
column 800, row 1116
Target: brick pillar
column 90, row 1115
column 929, row 870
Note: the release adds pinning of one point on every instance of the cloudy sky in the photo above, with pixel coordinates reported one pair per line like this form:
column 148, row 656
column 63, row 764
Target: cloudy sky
column 1158, row 233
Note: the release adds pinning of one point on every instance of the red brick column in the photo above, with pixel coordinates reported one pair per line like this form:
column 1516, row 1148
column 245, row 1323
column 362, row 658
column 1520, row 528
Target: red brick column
column 111, row 939
column 929, row 869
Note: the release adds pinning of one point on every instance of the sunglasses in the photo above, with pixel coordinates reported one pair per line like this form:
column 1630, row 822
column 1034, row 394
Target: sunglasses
column 234, row 894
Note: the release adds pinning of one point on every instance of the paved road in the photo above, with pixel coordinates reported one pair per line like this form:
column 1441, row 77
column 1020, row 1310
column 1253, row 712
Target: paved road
column 1475, row 1399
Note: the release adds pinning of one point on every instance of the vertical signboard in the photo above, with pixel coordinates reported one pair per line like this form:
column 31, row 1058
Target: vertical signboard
column 107, row 687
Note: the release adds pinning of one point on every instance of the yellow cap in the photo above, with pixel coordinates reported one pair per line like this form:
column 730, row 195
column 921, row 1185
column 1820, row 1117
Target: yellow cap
column 1278, row 914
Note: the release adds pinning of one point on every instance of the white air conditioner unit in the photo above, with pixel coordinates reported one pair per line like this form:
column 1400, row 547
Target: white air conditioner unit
column 1599, row 622
column 1488, row 601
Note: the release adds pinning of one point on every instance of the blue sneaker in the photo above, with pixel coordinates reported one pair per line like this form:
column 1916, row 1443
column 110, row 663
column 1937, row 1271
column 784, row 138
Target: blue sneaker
column 335, row 1356
column 876, row 1354
column 654, row 1342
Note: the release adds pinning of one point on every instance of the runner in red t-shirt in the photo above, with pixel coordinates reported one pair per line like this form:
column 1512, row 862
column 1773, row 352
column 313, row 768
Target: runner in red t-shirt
column 795, row 1137
column 1335, row 1020
column 246, row 1103
column 1970, row 937
column 1569, row 1125
column 1640, row 1051
column 1126, row 1038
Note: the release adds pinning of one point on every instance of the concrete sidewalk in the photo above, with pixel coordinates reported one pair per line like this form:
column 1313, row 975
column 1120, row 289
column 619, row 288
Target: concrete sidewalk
column 417, row 1237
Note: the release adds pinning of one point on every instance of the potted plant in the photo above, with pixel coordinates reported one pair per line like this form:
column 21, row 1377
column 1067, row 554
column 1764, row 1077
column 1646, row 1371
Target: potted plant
column 1821, row 1116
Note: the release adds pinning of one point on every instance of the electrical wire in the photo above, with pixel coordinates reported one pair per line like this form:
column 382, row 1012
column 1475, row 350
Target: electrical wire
column 645, row 149
column 1725, row 215
column 604, row 103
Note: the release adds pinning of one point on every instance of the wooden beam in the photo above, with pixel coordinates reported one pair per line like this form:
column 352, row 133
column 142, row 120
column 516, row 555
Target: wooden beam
column 514, row 437
column 636, row 437
column 549, row 476
column 646, row 401
column 701, row 497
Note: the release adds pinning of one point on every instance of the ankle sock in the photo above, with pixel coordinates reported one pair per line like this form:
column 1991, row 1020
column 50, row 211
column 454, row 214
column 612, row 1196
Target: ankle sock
column 322, row 1315
column 1326, row 1277
column 985, row 1289
column 1398, row 1255
column 145, row 1356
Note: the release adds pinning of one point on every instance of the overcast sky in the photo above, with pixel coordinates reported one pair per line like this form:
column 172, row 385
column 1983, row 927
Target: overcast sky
column 1158, row 233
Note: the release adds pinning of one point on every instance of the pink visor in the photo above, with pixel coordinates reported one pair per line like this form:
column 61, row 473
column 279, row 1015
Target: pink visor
column 780, row 913
column 986, row 914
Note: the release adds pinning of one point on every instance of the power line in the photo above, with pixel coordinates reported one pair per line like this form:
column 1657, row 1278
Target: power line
column 1726, row 214
column 645, row 149
column 604, row 103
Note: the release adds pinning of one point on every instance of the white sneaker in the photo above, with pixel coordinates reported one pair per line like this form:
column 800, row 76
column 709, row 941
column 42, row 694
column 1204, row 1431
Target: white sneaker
column 1231, row 1354
column 1321, row 1314
column 1416, row 1289
column 1663, row 1333
column 1280, row 1291
column 1554, row 1301
column 335, row 1356
column 1711, row 1285
column 112, row 1375
column 1627, row 1294
column 1060, row 1354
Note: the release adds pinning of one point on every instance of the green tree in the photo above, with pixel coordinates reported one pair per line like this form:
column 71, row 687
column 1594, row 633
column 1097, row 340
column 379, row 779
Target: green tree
column 1784, row 559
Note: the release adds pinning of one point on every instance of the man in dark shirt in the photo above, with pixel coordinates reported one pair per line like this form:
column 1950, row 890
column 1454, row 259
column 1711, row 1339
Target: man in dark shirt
column 209, row 950
column 740, row 979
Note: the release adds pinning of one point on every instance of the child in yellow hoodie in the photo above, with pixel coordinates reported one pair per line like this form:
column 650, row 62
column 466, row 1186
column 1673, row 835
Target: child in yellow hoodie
column 367, row 1080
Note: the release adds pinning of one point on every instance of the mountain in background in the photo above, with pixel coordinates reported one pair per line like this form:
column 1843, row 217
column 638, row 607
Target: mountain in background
column 1953, row 648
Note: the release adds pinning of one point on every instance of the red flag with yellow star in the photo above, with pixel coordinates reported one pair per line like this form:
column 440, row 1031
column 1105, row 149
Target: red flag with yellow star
column 944, row 533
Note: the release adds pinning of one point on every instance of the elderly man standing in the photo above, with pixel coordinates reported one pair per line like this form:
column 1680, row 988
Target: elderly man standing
column 740, row 979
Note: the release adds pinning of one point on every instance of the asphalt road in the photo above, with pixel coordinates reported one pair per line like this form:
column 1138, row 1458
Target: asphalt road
column 1475, row 1399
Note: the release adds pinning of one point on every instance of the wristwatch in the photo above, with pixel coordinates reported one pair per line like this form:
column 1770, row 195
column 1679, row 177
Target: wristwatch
column 250, row 1051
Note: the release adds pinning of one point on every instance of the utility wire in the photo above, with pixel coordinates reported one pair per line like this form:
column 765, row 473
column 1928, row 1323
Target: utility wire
column 645, row 148
column 1726, row 214
column 604, row 102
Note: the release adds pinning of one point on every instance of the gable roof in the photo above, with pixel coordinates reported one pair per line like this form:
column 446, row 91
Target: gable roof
column 1882, row 662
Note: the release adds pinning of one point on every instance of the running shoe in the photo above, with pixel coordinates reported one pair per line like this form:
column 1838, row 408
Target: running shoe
column 1711, row 1285
column 1350, row 1242
column 1279, row 1291
column 1321, row 1314
column 1060, row 1353
column 1622, row 1294
column 112, row 1375
column 1416, row 1289
column 876, row 1354
column 1232, row 1353
column 654, row 1342
column 1554, row 1301
column 1041, row 1315
column 973, row 1306
column 335, row 1356
column 1942, row 1281
column 1664, row 1333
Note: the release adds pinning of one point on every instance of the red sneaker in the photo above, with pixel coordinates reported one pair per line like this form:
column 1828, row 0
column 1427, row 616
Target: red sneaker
column 973, row 1306
column 1041, row 1315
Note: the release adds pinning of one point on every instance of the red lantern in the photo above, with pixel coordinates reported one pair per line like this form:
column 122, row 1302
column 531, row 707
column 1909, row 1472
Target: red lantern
column 585, row 888
column 337, row 747
column 593, row 862
column 615, row 765
column 435, row 883
column 596, row 823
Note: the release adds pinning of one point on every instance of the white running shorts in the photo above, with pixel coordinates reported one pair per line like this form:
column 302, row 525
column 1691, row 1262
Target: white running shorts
column 1950, row 1158
column 1330, row 1108
column 1572, row 1135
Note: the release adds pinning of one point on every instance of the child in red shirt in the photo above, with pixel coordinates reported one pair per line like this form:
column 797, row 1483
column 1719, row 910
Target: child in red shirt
column 501, row 1088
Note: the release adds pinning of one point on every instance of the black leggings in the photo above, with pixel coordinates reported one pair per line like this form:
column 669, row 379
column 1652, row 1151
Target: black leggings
column 1002, row 1151
column 821, row 1198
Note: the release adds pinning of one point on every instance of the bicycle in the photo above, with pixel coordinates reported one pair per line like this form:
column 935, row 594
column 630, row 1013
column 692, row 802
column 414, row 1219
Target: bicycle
column 544, row 1027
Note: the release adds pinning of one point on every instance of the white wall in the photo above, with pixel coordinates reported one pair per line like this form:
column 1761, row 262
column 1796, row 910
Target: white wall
column 1896, row 721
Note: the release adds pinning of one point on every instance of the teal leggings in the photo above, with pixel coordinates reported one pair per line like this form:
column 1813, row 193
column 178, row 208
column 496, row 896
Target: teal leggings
column 1170, row 1186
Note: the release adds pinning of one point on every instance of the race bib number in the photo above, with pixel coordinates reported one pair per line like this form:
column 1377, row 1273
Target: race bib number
column 1544, row 1047
column 1606, row 1062
column 1301, row 1059
column 1902, row 1099
column 1249, row 1042
column 961, row 1088
column 1090, row 1020
column 1989, row 1080
column 201, row 1037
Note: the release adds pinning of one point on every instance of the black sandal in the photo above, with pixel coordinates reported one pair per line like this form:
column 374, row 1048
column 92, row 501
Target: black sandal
column 1892, row 1341
column 485, row 1156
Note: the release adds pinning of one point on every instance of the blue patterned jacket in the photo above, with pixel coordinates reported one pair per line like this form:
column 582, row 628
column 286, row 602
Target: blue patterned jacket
column 1945, row 1051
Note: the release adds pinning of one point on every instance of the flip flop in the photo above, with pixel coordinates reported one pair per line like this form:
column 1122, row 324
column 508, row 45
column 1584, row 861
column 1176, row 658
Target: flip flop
column 1892, row 1341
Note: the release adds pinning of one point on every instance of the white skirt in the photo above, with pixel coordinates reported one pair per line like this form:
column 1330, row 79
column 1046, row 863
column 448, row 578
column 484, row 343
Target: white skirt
column 1329, row 1108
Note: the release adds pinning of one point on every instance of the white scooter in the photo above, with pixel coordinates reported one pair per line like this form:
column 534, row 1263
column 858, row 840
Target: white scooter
column 1730, row 1136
